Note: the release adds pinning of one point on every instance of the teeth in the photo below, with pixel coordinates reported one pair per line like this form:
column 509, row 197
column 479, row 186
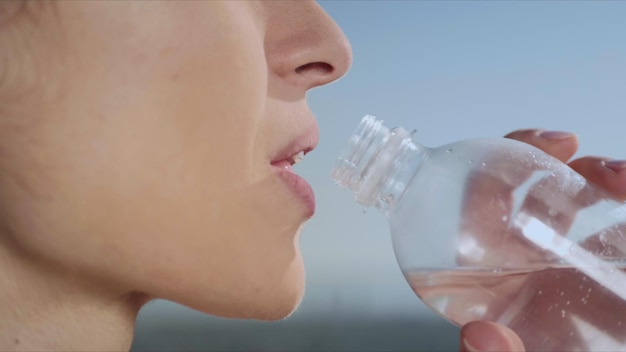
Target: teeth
column 298, row 157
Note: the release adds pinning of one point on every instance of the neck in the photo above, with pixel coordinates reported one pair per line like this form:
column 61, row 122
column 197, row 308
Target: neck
column 47, row 308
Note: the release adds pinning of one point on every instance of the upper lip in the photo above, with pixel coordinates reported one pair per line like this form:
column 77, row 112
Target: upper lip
column 304, row 142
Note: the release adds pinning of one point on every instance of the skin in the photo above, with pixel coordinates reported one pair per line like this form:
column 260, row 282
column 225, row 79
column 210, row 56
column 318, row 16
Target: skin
column 137, row 144
column 136, row 149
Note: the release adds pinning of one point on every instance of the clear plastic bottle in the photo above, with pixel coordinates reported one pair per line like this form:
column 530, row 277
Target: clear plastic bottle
column 496, row 229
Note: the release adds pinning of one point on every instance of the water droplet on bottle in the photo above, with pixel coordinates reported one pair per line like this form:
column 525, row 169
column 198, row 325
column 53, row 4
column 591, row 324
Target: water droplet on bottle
column 603, row 238
column 483, row 163
column 567, row 303
column 471, row 161
column 552, row 212
column 505, row 218
column 571, row 333
column 562, row 293
column 539, row 292
column 449, row 150
column 562, row 313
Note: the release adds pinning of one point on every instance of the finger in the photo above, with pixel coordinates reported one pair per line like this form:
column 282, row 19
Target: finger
column 561, row 145
column 487, row 336
column 606, row 173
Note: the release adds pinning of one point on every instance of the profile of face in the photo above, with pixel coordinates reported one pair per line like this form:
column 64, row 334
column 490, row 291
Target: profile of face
column 147, row 146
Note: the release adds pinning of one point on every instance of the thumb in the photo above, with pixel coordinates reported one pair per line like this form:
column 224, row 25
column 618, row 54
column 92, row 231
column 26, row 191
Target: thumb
column 486, row 336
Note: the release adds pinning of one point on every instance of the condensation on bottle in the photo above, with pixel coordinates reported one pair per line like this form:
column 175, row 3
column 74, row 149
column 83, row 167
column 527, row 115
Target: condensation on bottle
column 496, row 229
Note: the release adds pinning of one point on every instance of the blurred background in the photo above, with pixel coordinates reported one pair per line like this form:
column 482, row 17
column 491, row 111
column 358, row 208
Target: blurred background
column 451, row 70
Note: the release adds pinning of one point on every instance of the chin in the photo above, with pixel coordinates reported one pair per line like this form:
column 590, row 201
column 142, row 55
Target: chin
column 280, row 302
column 281, row 309
column 276, row 307
column 271, row 299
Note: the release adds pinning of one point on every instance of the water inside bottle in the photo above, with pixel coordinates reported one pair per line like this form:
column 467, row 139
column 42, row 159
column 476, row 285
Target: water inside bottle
column 525, row 241
column 550, row 308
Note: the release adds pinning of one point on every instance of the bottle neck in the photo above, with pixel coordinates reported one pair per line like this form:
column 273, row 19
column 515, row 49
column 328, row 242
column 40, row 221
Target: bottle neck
column 378, row 164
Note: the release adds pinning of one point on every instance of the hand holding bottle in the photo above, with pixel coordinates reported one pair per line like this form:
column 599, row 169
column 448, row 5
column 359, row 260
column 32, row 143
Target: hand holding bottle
column 488, row 336
column 499, row 230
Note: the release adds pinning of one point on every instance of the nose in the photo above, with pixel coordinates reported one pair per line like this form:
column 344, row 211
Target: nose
column 303, row 45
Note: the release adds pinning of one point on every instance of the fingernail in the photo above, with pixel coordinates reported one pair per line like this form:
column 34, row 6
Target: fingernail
column 466, row 346
column 615, row 165
column 487, row 336
column 556, row 135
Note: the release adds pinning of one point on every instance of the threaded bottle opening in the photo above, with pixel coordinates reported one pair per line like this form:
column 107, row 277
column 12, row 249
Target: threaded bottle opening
column 368, row 159
column 364, row 143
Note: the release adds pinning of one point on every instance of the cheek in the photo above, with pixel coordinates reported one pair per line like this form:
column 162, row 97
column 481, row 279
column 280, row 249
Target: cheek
column 155, row 174
column 173, row 109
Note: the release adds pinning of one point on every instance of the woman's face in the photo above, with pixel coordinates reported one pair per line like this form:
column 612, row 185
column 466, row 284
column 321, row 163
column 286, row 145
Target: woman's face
column 148, row 145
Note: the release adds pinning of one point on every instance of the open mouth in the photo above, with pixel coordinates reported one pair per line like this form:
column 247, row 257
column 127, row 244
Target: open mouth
column 298, row 185
column 289, row 162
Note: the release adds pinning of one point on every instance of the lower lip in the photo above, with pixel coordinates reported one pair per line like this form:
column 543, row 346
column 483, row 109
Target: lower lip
column 300, row 188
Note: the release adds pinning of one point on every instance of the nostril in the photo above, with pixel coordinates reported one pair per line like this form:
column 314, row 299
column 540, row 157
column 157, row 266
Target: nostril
column 322, row 68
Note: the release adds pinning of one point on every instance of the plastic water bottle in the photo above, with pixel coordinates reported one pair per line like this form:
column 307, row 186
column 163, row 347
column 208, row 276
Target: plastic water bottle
column 498, row 230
